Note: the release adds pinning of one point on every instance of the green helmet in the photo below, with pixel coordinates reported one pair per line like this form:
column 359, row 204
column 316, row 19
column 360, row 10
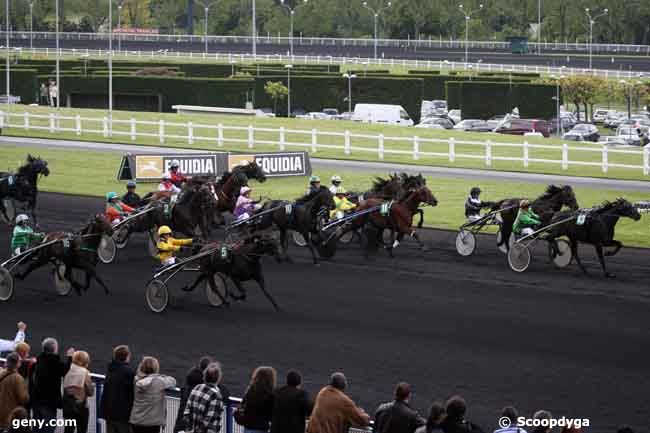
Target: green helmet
column 110, row 196
column 314, row 179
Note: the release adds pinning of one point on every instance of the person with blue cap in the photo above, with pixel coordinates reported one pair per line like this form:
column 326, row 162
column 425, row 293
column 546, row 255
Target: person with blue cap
column 131, row 198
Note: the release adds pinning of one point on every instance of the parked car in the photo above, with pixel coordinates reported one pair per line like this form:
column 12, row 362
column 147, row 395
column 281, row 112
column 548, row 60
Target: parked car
column 574, row 135
column 264, row 112
column 599, row 115
column 346, row 115
column 382, row 113
column 443, row 122
column 613, row 140
column 613, row 120
column 589, row 132
column 566, row 125
column 522, row 126
column 634, row 136
column 467, row 124
column 314, row 115
column 332, row 113
column 455, row 116
column 297, row 112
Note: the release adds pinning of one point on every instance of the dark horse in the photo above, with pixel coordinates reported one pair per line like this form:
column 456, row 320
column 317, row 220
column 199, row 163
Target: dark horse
column 545, row 206
column 303, row 216
column 398, row 218
column 239, row 262
column 23, row 186
column 77, row 250
column 227, row 188
column 193, row 212
column 395, row 188
column 597, row 229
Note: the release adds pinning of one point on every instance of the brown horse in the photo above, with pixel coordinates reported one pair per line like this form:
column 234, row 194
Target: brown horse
column 74, row 251
column 398, row 218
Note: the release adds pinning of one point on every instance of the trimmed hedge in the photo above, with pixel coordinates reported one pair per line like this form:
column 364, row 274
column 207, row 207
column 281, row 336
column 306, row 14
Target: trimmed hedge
column 531, row 75
column 482, row 100
column 423, row 72
column 23, row 83
column 434, row 85
column 315, row 93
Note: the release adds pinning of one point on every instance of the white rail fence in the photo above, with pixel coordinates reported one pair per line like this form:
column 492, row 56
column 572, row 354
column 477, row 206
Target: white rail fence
column 345, row 143
column 364, row 62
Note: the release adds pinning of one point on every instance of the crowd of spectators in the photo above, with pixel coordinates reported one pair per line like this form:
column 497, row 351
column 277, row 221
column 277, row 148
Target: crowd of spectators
column 134, row 400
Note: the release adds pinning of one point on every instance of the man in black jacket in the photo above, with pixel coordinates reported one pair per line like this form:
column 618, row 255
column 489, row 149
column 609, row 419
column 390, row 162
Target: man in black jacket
column 131, row 198
column 45, row 383
column 117, row 396
column 291, row 407
column 397, row 416
column 455, row 421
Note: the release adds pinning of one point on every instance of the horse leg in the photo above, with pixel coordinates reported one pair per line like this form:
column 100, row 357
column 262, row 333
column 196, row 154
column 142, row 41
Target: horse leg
column 284, row 245
column 421, row 222
column 506, row 232
column 307, row 237
column 240, row 287
column 259, row 278
column 30, row 268
column 91, row 273
column 213, row 287
column 615, row 251
column 415, row 236
column 601, row 258
column 196, row 282
column 574, row 252
column 390, row 246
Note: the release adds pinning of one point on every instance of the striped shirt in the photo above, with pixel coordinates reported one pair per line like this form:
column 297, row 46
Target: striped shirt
column 203, row 410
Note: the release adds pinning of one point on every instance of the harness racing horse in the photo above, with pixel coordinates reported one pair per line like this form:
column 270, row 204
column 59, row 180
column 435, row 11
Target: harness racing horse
column 395, row 188
column 74, row 251
column 545, row 206
column 398, row 216
column 304, row 216
column 192, row 214
column 597, row 229
column 23, row 186
column 240, row 262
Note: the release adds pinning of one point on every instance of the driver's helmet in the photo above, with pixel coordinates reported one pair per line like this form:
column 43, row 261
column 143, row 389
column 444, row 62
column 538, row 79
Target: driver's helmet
column 175, row 164
column 524, row 204
column 243, row 190
column 131, row 184
column 474, row 192
column 314, row 179
column 164, row 230
column 111, row 195
column 22, row 218
column 336, row 180
column 166, row 176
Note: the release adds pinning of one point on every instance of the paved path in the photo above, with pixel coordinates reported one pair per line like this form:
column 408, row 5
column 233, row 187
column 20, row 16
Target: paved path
column 374, row 167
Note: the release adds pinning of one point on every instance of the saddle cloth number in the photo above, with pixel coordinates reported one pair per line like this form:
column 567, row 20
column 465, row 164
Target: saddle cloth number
column 225, row 252
column 66, row 243
column 288, row 208
column 10, row 180
column 581, row 219
column 385, row 208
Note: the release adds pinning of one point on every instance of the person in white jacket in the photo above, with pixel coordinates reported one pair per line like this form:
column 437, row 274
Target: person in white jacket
column 148, row 413
column 10, row 345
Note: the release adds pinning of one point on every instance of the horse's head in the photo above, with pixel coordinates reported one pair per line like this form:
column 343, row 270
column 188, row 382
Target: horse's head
column 35, row 166
column 325, row 198
column 625, row 209
column 569, row 198
column 425, row 195
column 254, row 171
column 100, row 225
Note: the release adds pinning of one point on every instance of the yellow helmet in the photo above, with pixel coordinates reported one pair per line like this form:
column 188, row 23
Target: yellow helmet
column 164, row 230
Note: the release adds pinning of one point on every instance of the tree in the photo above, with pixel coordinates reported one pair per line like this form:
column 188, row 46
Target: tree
column 276, row 91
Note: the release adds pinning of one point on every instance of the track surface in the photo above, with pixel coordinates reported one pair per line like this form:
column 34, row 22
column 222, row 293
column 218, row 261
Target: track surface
column 549, row 58
column 555, row 339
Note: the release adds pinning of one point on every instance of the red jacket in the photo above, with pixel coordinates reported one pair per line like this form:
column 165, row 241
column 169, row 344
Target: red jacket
column 177, row 178
column 113, row 213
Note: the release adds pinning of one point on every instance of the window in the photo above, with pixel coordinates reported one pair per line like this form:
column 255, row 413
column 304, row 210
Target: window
column 404, row 115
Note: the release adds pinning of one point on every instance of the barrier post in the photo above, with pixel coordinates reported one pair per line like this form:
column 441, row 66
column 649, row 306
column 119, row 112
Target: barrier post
column 526, row 154
column 251, row 136
column 190, row 133
column 26, row 121
column 565, row 156
column 133, row 131
column 347, row 142
column 380, row 147
column 2, row 119
column 105, row 126
column 281, row 140
column 161, row 131
column 99, row 390
column 51, row 123
column 646, row 161
column 220, row 135
column 452, row 150
column 488, row 153
column 314, row 140
column 416, row 148
column 77, row 124
column 605, row 159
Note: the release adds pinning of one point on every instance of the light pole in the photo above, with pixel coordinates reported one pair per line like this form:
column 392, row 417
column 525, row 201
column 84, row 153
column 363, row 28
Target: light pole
column 292, row 11
column 31, row 24
column 254, row 32
column 376, row 13
column 119, row 26
column 539, row 27
column 58, row 56
column 468, row 16
column 557, row 100
column 349, row 77
column 206, row 7
column 7, row 65
column 592, row 21
column 288, row 89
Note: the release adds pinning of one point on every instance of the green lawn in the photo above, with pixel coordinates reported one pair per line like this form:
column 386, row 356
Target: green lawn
column 94, row 173
column 398, row 143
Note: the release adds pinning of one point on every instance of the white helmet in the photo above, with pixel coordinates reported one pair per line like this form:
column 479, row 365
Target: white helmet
column 175, row 164
column 243, row 190
column 21, row 218
column 166, row 176
column 336, row 178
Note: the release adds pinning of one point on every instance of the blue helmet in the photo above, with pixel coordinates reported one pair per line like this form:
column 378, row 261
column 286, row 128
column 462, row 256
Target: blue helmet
column 131, row 184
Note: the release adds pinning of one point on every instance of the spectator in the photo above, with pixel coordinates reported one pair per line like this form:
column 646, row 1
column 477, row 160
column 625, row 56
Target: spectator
column 13, row 390
column 77, row 387
column 625, row 429
column 335, row 412
column 455, row 421
column 257, row 403
column 510, row 413
column 17, row 415
column 54, row 93
column 205, row 404
column 434, row 421
column 291, row 407
column 542, row 415
column 26, row 362
column 117, row 397
column 10, row 345
column 148, row 413
column 44, row 94
column 45, row 383
column 397, row 416
column 131, row 198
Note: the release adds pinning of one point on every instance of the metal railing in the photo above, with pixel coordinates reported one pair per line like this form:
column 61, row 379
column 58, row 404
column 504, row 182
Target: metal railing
column 430, row 42
column 233, row 58
column 343, row 143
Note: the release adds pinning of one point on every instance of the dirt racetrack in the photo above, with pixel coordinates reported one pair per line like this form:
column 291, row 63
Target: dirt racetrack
column 553, row 339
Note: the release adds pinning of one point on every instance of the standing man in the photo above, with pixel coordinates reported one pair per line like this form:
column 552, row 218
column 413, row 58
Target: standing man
column 291, row 406
column 117, row 398
column 10, row 345
column 13, row 390
column 397, row 416
column 204, row 405
column 334, row 411
column 131, row 198
column 54, row 93
column 44, row 93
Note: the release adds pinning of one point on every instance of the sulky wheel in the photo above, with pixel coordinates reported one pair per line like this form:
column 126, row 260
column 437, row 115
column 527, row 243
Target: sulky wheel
column 106, row 250
column 157, row 296
column 561, row 255
column 298, row 239
column 519, row 257
column 62, row 285
column 7, row 211
column 221, row 287
column 465, row 243
column 6, row 285
column 152, row 242
column 347, row 237
column 121, row 237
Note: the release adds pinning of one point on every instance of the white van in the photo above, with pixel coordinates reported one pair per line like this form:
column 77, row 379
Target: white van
column 382, row 113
